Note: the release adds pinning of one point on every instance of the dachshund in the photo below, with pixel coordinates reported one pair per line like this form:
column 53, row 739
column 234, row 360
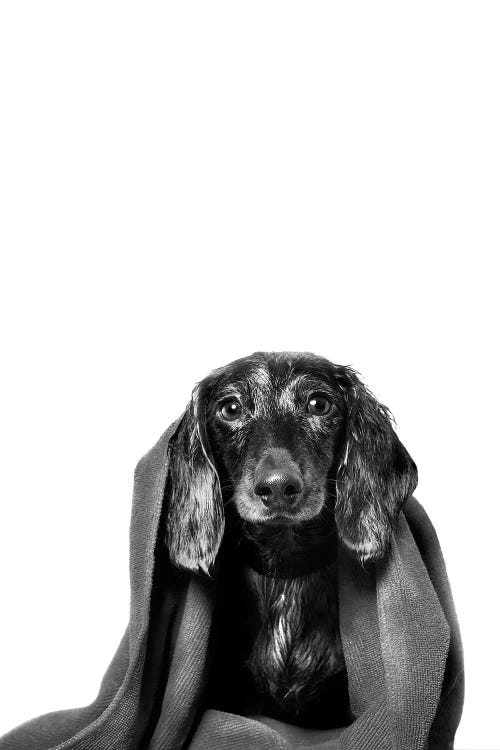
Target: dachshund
column 280, row 458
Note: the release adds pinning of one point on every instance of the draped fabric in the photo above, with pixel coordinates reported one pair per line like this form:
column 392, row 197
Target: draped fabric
column 399, row 633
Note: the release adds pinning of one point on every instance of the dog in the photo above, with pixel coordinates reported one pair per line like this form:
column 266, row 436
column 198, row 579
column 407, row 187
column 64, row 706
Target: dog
column 280, row 458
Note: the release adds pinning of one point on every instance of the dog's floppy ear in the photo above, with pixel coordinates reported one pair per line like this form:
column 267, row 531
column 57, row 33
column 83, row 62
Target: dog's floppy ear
column 375, row 476
column 195, row 516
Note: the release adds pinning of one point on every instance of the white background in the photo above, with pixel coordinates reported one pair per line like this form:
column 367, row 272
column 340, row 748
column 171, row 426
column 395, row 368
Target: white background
column 185, row 183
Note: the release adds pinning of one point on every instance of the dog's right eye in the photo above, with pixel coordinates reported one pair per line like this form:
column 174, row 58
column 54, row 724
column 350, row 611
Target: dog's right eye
column 230, row 410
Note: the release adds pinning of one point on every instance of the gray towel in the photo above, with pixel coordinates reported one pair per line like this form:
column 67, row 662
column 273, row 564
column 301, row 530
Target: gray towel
column 399, row 634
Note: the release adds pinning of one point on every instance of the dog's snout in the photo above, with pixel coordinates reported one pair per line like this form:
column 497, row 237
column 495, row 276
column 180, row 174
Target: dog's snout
column 277, row 483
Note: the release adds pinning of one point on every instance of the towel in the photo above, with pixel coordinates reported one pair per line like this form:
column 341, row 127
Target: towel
column 399, row 634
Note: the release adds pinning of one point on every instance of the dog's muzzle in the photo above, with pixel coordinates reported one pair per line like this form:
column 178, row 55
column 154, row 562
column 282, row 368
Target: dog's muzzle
column 278, row 481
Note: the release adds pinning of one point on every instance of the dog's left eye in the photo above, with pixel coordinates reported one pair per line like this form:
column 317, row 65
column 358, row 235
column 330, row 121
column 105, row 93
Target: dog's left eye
column 230, row 410
column 318, row 405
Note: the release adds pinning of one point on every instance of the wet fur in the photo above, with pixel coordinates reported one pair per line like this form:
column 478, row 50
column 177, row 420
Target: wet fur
column 298, row 645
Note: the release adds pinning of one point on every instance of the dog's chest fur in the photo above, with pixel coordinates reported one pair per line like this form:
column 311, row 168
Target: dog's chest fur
column 296, row 646
column 277, row 649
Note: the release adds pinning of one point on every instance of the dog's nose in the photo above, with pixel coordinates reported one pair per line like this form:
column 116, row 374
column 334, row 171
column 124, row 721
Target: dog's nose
column 278, row 485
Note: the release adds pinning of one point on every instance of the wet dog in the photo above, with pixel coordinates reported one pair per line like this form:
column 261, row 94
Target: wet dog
column 280, row 458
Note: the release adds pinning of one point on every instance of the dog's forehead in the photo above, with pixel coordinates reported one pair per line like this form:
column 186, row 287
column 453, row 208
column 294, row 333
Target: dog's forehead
column 273, row 382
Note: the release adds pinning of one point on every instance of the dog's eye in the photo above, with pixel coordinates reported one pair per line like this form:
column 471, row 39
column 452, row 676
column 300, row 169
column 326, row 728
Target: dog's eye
column 230, row 410
column 318, row 405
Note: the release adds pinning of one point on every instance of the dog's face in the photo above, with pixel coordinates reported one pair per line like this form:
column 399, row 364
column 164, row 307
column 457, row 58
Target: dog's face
column 284, row 437
column 275, row 430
